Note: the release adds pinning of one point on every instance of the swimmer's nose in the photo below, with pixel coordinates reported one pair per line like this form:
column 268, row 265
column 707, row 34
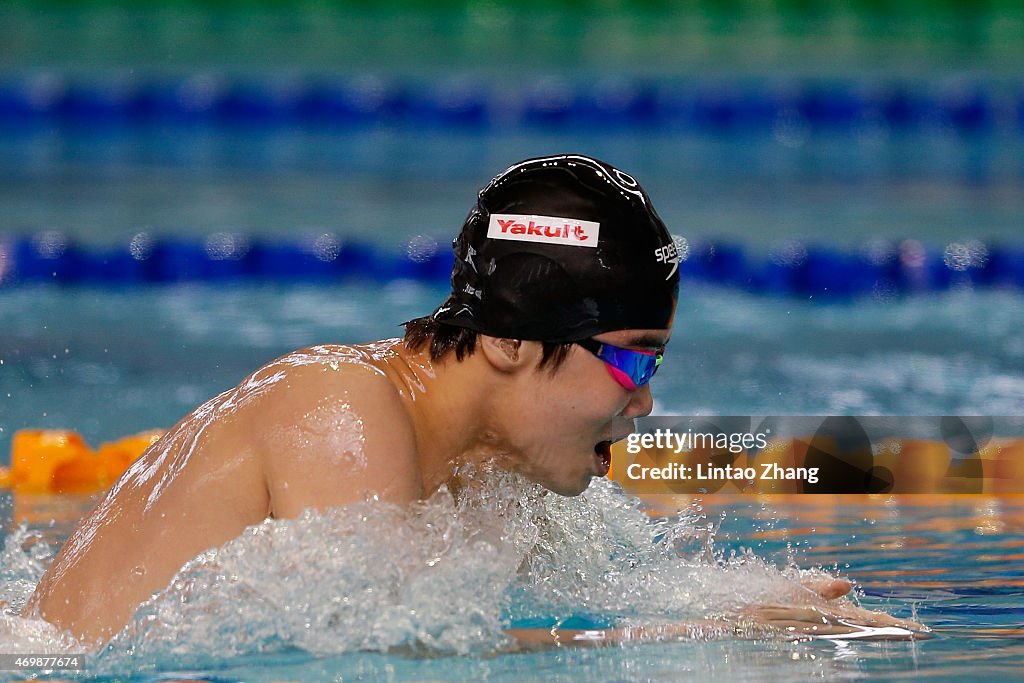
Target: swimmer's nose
column 641, row 403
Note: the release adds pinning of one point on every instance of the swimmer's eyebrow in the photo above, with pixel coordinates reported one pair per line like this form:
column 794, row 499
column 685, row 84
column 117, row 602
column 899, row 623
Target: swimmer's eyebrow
column 650, row 341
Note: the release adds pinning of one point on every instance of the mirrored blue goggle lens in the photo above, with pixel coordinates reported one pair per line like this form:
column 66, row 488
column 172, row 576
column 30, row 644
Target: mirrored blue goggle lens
column 636, row 367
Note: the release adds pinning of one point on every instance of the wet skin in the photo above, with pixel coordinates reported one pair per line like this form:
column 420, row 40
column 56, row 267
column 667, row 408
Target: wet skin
column 324, row 427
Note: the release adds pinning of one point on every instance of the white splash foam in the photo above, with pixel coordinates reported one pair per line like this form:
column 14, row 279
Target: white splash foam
column 445, row 576
column 23, row 562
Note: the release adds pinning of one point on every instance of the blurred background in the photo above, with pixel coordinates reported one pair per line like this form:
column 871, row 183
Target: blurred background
column 753, row 120
column 189, row 188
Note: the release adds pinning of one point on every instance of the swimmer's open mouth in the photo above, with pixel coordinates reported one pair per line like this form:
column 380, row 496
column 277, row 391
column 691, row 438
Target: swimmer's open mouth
column 603, row 453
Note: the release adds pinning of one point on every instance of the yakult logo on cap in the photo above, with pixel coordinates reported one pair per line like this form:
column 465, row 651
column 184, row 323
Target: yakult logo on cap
column 543, row 229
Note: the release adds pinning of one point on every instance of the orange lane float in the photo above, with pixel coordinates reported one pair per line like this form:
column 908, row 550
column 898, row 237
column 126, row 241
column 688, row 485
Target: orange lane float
column 60, row 461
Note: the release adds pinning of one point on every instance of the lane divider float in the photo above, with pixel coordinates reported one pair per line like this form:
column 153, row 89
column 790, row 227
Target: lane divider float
column 54, row 461
column 729, row 105
column 60, row 461
column 880, row 268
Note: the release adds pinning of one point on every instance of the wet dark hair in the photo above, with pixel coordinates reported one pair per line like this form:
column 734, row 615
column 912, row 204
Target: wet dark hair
column 446, row 338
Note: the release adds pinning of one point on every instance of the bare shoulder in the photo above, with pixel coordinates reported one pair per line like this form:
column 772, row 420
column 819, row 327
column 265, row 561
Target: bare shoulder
column 333, row 429
column 336, row 376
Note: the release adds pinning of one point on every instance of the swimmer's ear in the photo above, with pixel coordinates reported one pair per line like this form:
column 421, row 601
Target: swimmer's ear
column 506, row 355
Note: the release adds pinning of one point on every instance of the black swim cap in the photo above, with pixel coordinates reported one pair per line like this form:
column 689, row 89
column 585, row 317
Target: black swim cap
column 559, row 249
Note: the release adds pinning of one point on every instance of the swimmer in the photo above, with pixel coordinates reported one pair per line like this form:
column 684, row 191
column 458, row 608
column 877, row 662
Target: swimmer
column 563, row 296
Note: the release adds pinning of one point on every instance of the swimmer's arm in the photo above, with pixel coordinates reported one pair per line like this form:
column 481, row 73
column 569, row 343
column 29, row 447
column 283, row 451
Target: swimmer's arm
column 841, row 621
column 530, row 639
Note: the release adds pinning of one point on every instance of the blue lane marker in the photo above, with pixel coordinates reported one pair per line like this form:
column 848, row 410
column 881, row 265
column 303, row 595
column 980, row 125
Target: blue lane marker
column 879, row 269
column 732, row 106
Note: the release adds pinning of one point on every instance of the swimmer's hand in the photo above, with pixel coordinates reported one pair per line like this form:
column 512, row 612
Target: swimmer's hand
column 838, row 622
column 833, row 620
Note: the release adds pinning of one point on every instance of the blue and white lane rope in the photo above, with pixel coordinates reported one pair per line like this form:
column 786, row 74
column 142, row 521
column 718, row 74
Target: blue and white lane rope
column 968, row 106
column 880, row 268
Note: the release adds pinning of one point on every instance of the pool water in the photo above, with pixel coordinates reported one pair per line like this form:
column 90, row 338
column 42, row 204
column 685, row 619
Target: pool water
column 109, row 363
column 949, row 562
column 387, row 183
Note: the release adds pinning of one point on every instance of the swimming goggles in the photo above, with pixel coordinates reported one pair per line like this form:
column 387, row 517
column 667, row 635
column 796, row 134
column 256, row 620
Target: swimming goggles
column 630, row 368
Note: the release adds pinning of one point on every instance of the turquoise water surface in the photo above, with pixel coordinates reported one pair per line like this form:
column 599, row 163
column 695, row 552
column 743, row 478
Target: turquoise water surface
column 295, row 600
column 110, row 363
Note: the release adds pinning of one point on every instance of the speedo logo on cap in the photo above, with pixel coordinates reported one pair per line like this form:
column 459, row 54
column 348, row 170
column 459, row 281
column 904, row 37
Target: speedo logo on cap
column 668, row 254
column 543, row 229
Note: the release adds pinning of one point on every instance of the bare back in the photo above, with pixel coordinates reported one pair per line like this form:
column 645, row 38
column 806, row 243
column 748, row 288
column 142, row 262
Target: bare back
column 320, row 427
